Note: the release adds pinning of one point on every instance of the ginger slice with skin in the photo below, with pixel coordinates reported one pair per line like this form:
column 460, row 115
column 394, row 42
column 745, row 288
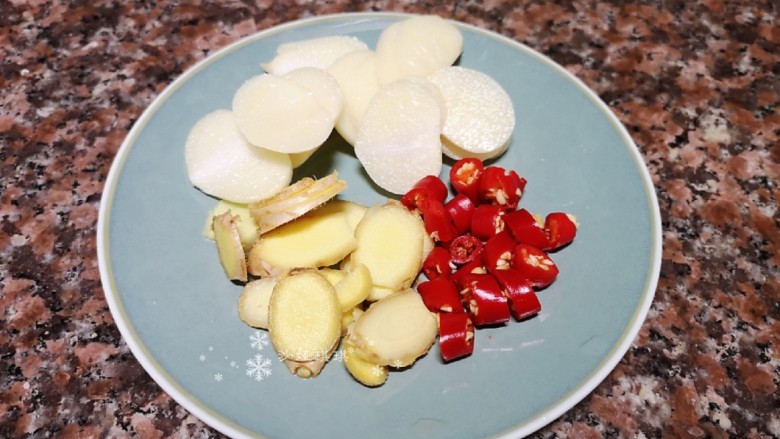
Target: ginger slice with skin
column 295, row 200
column 311, row 368
column 304, row 321
column 364, row 371
column 320, row 238
column 229, row 247
column 394, row 331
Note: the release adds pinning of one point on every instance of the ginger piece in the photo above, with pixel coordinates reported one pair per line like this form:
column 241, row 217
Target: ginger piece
column 295, row 201
column 247, row 227
column 390, row 244
column 355, row 287
column 304, row 320
column 320, row 238
column 229, row 247
column 364, row 371
column 333, row 275
column 394, row 331
column 253, row 302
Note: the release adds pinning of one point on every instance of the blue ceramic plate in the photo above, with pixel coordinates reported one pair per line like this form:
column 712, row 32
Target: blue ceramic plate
column 178, row 313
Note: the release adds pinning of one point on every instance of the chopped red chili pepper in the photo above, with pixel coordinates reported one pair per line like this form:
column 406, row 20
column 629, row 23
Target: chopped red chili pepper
column 437, row 264
column 456, row 335
column 434, row 186
column 414, row 198
column 465, row 176
column 440, row 295
column 501, row 187
column 498, row 252
column 461, row 210
column 473, row 267
column 487, row 221
column 464, row 249
column 526, row 229
column 437, row 221
column 523, row 302
column 483, row 299
column 561, row 229
column 535, row 265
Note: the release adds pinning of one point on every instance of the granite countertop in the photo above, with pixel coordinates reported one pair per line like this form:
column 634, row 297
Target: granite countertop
column 695, row 83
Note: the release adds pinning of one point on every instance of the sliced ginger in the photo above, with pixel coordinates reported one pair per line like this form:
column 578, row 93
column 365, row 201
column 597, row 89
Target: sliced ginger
column 354, row 288
column 320, row 238
column 379, row 293
column 229, row 247
column 394, row 331
column 304, row 321
column 349, row 317
column 390, row 245
column 333, row 275
column 295, row 200
column 364, row 371
column 247, row 226
column 253, row 302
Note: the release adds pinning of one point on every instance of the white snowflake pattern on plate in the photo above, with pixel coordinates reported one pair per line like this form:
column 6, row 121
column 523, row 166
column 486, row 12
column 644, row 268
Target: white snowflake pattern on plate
column 259, row 340
column 258, row 367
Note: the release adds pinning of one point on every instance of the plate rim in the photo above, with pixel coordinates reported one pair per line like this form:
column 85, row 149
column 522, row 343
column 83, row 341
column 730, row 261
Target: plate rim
column 220, row 421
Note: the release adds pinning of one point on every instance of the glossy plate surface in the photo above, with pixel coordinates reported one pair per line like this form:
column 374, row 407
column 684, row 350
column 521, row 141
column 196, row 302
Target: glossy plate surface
column 178, row 313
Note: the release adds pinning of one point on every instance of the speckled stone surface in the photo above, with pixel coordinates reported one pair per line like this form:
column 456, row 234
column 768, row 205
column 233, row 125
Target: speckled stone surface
column 696, row 83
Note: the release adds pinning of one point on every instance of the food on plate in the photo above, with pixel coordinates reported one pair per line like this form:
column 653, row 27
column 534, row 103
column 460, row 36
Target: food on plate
column 304, row 321
column 490, row 256
column 319, row 52
column 356, row 74
column 354, row 287
column 220, row 162
column 395, row 330
column 561, row 228
column 320, row 238
column 318, row 269
column 480, row 114
column 353, row 212
column 295, row 200
column 276, row 113
column 366, row 372
column 321, row 85
column 229, row 248
column 247, row 227
column 253, row 302
column 456, row 335
column 349, row 317
column 417, row 46
column 333, row 275
column 390, row 244
column 398, row 140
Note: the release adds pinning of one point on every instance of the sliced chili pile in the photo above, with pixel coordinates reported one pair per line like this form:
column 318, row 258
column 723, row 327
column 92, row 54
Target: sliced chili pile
column 491, row 257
